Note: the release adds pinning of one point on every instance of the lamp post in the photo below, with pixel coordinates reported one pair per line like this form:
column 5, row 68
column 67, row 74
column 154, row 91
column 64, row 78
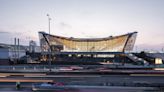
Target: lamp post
column 49, row 50
column 49, row 19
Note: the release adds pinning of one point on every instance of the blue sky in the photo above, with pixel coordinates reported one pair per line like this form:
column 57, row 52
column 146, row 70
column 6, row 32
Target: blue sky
column 83, row 18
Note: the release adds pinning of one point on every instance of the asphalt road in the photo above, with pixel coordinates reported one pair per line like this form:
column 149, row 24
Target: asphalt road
column 115, row 83
column 87, row 80
column 27, row 88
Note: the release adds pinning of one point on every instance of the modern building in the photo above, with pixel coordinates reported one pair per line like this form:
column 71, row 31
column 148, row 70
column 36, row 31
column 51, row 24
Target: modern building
column 120, row 43
column 69, row 49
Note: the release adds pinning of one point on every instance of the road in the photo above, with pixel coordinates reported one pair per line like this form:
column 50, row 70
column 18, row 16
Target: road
column 87, row 80
column 113, row 82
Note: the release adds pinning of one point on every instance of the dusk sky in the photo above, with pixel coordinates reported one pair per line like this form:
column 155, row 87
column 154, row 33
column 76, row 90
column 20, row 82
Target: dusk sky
column 83, row 18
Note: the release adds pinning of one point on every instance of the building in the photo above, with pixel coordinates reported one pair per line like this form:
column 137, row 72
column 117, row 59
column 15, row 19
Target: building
column 108, row 49
column 10, row 53
column 32, row 46
column 120, row 43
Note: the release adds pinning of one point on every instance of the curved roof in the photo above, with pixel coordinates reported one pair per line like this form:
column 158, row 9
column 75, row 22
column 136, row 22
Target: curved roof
column 87, row 39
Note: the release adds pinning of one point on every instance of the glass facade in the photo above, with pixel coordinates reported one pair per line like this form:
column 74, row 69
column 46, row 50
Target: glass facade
column 120, row 43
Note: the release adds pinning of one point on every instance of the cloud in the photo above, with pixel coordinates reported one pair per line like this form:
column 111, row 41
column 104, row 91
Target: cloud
column 64, row 25
column 4, row 32
column 147, row 47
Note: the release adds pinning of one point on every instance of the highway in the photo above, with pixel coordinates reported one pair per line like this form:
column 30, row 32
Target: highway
column 131, row 82
column 85, row 80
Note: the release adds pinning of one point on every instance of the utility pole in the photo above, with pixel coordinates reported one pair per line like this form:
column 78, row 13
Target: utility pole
column 15, row 50
column 18, row 48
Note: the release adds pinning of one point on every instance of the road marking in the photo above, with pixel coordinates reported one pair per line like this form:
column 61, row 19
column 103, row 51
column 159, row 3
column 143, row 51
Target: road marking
column 24, row 80
column 158, row 68
column 2, row 76
column 25, row 74
column 62, row 76
column 141, row 82
column 146, row 74
column 112, row 87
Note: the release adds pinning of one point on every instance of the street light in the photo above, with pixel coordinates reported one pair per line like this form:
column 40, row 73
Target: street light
column 49, row 19
column 49, row 50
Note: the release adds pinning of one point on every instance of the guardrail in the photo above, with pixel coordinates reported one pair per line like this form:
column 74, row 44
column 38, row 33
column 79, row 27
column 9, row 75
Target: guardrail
column 45, row 67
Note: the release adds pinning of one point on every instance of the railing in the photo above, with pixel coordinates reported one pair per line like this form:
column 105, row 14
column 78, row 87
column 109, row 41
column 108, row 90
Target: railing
column 47, row 67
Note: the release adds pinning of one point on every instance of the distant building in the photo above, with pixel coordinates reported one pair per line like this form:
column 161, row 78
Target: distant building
column 37, row 49
column 4, row 52
column 10, row 53
column 32, row 46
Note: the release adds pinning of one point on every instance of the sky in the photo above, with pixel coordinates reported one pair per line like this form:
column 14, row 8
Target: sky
column 85, row 19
